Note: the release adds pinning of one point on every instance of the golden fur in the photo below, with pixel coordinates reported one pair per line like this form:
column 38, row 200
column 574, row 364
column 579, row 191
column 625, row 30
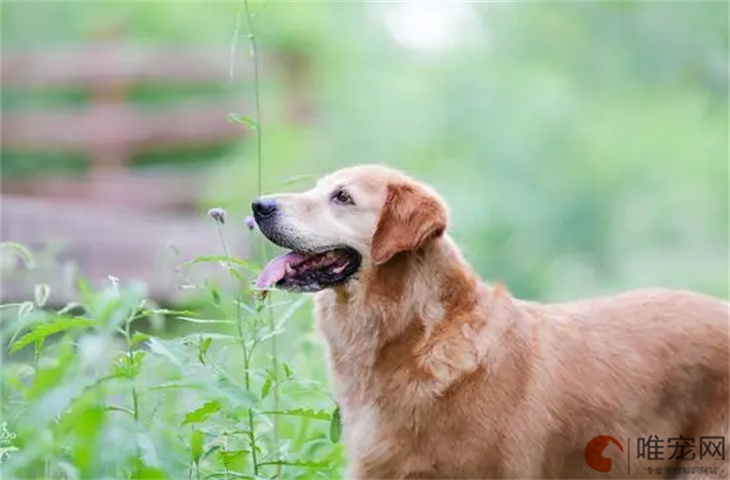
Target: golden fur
column 439, row 375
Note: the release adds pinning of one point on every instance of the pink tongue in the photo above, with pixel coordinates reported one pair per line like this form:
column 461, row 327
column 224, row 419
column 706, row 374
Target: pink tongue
column 275, row 270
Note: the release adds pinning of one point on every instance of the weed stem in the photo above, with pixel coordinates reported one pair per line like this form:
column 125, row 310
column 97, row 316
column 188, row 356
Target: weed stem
column 260, row 165
column 244, row 350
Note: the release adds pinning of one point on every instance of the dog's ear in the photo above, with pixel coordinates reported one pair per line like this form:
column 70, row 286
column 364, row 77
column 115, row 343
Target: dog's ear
column 410, row 217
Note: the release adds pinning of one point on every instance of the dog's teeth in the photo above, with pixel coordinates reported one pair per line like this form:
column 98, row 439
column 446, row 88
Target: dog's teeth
column 290, row 270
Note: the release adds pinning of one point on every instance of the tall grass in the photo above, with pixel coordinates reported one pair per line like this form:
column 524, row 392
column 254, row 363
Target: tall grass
column 97, row 390
column 102, row 388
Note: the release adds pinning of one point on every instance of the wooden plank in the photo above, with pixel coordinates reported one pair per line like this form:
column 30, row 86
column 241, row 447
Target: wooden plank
column 160, row 189
column 116, row 64
column 114, row 126
column 104, row 241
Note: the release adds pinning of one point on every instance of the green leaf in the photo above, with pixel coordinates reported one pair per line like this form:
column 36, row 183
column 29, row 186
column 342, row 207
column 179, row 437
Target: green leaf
column 16, row 374
column 200, row 414
column 287, row 369
column 129, row 364
column 232, row 395
column 232, row 474
column 293, row 308
column 87, row 294
column 260, row 304
column 38, row 348
column 205, row 345
column 205, row 320
column 235, row 273
column 246, row 307
column 137, row 357
column 196, row 445
column 87, row 423
column 229, row 456
column 253, row 268
column 302, row 412
column 242, row 120
column 29, row 316
column 203, row 349
column 41, row 293
column 145, row 472
column 169, row 386
column 266, row 387
column 49, row 375
column 216, row 296
column 160, row 348
column 162, row 311
column 298, row 463
column 270, row 334
column 114, row 408
column 224, row 337
column 139, row 337
column 43, row 330
column 336, row 425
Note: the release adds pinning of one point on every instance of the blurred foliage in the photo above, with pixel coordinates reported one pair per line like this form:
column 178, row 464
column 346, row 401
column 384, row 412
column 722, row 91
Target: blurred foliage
column 178, row 393
column 582, row 146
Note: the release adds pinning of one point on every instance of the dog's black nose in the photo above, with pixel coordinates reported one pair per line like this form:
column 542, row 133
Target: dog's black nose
column 263, row 207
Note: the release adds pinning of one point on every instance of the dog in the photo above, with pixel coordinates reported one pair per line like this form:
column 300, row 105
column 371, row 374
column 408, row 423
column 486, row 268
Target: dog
column 440, row 375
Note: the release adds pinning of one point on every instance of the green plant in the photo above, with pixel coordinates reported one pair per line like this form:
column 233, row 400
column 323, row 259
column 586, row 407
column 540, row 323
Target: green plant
column 108, row 392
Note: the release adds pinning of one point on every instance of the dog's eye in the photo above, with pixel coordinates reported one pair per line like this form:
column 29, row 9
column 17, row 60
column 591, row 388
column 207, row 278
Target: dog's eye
column 342, row 197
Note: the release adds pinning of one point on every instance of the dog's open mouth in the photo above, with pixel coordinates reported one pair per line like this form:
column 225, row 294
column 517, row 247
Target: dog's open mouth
column 304, row 272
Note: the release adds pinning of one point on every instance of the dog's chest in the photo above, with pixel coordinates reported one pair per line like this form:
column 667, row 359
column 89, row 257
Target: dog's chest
column 393, row 426
column 424, row 443
column 383, row 444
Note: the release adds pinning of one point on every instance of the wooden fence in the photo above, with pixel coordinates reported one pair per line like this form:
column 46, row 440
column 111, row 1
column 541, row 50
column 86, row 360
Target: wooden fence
column 114, row 219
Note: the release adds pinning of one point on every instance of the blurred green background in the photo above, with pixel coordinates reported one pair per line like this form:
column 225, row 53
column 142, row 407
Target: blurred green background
column 582, row 147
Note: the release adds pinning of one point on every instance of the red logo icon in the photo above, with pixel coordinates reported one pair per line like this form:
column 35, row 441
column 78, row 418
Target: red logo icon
column 594, row 453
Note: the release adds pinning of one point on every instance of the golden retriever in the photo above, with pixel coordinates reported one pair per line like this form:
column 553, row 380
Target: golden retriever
column 439, row 375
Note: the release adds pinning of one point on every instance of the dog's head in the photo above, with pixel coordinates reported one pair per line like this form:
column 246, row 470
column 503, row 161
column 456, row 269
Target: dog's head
column 356, row 218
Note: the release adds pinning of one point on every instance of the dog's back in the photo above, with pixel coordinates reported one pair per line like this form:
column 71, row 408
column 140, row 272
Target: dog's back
column 644, row 366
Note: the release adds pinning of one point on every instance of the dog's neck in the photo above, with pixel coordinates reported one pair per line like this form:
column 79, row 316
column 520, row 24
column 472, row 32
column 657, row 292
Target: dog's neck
column 425, row 285
column 396, row 309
